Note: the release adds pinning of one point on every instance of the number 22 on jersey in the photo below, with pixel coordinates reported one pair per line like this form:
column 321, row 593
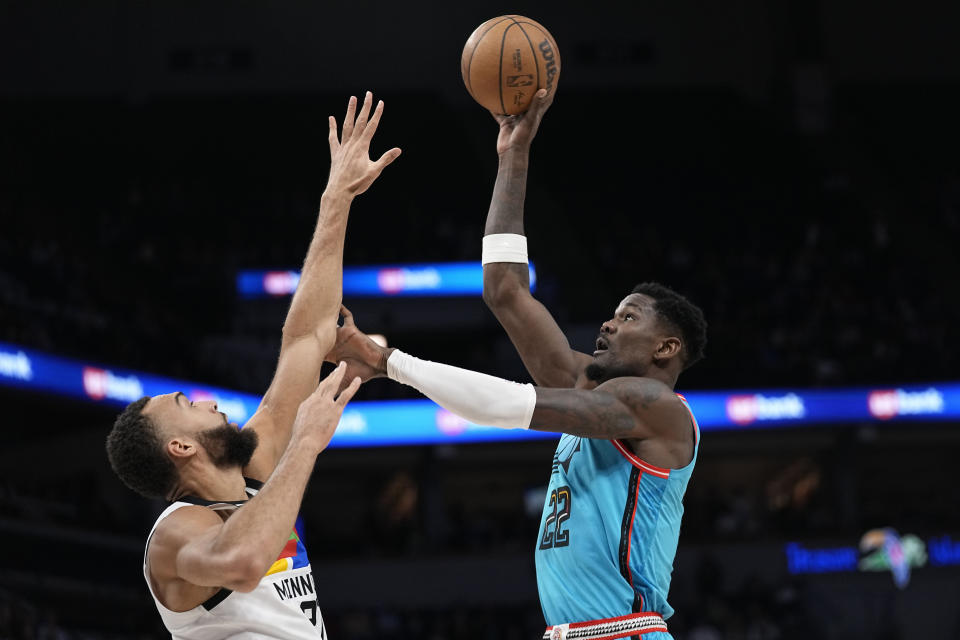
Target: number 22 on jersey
column 558, row 512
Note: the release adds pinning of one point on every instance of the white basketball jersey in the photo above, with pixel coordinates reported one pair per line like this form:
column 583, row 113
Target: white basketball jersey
column 284, row 604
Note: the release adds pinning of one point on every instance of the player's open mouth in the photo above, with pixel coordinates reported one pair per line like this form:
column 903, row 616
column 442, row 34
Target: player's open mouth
column 601, row 346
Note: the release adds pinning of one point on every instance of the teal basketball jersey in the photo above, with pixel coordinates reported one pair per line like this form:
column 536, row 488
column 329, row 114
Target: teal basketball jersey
column 609, row 532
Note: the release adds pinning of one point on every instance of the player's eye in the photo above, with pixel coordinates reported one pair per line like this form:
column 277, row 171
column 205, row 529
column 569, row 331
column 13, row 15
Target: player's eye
column 629, row 316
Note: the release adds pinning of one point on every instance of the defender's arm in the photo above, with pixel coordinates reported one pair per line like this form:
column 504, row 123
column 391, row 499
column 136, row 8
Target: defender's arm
column 310, row 327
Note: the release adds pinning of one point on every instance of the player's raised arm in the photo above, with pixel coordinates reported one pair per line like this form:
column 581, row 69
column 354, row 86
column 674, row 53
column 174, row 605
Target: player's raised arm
column 310, row 325
column 543, row 347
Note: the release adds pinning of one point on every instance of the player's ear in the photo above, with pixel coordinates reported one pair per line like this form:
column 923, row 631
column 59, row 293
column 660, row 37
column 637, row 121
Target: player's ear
column 668, row 348
column 181, row 449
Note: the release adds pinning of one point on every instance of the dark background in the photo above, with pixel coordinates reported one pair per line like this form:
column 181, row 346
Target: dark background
column 792, row 167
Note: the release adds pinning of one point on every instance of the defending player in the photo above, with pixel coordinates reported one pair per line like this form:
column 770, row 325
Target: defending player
column 225, row 560
column 612, row 515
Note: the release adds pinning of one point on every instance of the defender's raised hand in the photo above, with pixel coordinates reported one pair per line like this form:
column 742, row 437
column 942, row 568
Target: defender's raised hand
column 351, row 170
column 517, row 132
column 319, row 414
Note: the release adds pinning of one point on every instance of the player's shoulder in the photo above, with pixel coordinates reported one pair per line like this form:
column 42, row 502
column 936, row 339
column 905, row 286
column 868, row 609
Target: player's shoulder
column 181, row 526
column 652, row 401
column 641, row 390
column 172, row 533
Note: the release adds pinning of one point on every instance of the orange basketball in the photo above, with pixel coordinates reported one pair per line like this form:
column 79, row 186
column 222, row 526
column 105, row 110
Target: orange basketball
column 507, row 60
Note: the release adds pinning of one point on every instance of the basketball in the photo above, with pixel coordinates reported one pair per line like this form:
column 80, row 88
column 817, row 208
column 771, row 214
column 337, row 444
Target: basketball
column 506, row 60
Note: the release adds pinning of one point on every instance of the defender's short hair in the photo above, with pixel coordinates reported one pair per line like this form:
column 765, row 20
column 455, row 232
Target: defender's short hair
column 136, row 453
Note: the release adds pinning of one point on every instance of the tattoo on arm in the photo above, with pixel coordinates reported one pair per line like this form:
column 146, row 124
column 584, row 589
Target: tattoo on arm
column 616, row 409
column 642, row 396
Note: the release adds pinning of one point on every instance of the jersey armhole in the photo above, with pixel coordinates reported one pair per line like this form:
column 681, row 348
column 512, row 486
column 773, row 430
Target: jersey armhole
column 653, row 470
column 693, row 422
column 207, row 604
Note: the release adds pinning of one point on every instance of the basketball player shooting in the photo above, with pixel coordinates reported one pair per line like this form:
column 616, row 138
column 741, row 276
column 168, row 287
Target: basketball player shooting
column 225, row 559
column 605, row 551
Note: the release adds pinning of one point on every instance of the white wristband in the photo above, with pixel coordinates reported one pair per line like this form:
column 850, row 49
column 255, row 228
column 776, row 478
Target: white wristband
column 473, row 396
column 504, row 247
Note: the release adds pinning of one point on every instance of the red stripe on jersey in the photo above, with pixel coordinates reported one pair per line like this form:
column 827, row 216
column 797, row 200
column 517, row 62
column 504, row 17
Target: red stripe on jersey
column 659, row 472
column 693, row 419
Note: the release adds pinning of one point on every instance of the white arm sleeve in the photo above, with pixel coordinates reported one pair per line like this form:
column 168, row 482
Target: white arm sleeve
column 473, row 396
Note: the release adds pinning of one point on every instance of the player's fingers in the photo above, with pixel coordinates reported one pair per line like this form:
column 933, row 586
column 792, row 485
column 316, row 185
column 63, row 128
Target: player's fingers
column 347, row 316
column 349, row 119
column 331, row 383
column 332, row 135
column 387, row 158
column 541, row 102
column 348, row 392
column 374, row 121
column 364, row 113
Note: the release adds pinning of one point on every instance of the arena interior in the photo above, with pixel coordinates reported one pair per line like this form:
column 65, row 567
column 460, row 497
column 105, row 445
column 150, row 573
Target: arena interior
column 791, row 167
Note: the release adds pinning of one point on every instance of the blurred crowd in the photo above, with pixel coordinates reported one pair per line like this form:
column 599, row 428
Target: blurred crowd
column 819, row 260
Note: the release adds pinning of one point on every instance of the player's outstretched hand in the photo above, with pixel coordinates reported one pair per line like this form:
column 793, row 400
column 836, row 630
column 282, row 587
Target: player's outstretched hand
column 351, row 169
column 364, row 357
column 517, row 132
column 318, row 415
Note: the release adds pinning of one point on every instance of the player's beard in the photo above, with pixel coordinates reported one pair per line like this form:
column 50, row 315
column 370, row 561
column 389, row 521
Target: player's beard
column 599, row 373
column 228, row 446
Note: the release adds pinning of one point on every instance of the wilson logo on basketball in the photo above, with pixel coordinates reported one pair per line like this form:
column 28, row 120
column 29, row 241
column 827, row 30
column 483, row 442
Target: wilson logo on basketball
column 546, row 50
